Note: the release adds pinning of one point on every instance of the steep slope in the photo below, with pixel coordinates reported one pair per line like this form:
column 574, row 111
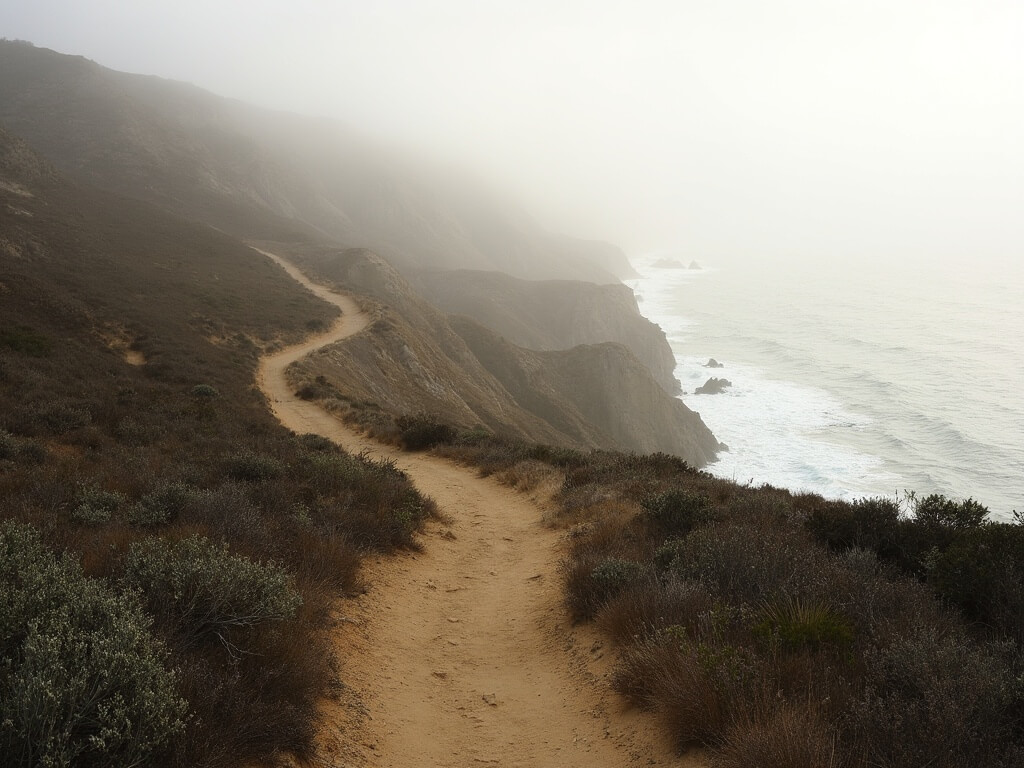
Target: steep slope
column 602, row 385
column 233, row 166
column 553, row 314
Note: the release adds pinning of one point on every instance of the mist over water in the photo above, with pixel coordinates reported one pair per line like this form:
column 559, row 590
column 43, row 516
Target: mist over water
column 853, row 381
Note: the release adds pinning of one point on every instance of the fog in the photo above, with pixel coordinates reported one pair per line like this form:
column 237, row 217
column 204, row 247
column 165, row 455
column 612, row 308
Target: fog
column 794, row 129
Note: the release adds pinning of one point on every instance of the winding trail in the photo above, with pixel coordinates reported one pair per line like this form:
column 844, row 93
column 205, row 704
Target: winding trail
column 461, row 655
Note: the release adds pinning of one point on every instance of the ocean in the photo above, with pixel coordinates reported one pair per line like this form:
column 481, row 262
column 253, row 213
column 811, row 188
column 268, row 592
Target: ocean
column 852, row 381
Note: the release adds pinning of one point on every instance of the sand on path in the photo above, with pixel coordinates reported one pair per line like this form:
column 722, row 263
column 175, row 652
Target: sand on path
column 461, row 654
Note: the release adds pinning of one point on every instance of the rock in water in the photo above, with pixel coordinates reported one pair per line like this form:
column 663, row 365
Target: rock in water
column 713, row 386
column 712, row 363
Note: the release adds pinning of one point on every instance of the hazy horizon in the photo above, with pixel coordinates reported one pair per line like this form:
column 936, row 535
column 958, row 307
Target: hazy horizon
column 868, row 132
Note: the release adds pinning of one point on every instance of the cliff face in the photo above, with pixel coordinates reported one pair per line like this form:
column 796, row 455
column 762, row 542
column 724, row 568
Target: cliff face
column 602, row 386
column 553, row 314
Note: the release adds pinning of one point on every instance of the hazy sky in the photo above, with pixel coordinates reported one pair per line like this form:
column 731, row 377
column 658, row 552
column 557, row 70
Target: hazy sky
column 864, row 130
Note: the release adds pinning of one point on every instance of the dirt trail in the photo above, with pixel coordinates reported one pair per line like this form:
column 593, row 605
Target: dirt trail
column 461, row 654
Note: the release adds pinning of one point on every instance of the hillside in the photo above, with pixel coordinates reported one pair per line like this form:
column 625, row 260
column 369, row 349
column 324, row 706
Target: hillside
column 235, row 166
column 164, row 579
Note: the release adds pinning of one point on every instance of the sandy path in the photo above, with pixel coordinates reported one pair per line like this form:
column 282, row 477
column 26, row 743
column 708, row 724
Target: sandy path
column 461, row 654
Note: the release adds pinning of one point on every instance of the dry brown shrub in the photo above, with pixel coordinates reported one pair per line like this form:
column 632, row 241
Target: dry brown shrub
column 644, row 608
column 526, row 475
column 790, row 735
column 659, row 674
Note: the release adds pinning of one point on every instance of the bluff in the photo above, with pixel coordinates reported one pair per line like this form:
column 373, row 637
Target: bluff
column 553, row 314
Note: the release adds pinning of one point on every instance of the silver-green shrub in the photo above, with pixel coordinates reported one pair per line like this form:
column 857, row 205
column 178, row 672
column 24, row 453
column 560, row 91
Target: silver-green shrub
column 199, row 589
column 82, row 679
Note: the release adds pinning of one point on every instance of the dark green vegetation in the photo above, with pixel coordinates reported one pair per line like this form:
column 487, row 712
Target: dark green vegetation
column 788, row 630
column 168, row 553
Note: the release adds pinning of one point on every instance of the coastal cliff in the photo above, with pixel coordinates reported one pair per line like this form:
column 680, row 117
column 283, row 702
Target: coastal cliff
column 553, row 314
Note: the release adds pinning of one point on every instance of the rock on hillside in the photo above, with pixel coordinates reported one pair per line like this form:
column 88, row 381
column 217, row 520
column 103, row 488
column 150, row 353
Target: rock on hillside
column 553, row 314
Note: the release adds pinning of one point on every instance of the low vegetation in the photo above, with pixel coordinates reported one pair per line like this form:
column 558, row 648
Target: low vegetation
column 169, row 554
column 783, row 629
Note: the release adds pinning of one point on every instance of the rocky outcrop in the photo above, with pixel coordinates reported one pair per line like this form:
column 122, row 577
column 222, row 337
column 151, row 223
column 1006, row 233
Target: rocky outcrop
column 712, row 363
column 713, row 386
column 553, row 314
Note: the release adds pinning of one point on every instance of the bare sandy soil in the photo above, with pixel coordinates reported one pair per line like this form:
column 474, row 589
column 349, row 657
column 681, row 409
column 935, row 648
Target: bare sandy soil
column 461, row 655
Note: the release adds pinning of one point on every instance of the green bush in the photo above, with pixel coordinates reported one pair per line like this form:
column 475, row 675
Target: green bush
column 95, row 505
column 252, row 467
column 804, row 624
column 420, row 431
column 82, row 680
column 677, row 512
column 205, row 391
column 199, row 590
column 872, row 524
column 936, row 511
column 613, row 575
column 161, row 505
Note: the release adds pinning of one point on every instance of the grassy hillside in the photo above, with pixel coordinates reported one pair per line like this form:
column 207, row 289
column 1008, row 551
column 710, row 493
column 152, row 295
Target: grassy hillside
column 168, row 553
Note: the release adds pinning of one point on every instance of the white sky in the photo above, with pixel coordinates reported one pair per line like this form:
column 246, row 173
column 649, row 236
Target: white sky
column 862, row 130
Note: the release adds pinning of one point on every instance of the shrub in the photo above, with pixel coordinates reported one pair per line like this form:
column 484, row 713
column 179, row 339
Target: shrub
column 161, row 505
column 252, row 467
column 649, row 605
column 613, row 575
column 314, row 442
column 681, row 682
column 95, row 505
column 82, row 680
column 867, row 523
column 25, row 340
column 933, row 698
column 677, row 512
column 199, row 590
column 205, row 392
column 8, row 445
column 936, row 511
column 804, row 624
column 59, row 418
column 330, row 473
column 131, row 431
column 788, row 735
column 749, row 563
column 981, row 572
column 418, row 432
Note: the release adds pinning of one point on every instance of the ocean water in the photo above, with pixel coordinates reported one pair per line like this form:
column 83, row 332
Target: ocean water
column 853, row 382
